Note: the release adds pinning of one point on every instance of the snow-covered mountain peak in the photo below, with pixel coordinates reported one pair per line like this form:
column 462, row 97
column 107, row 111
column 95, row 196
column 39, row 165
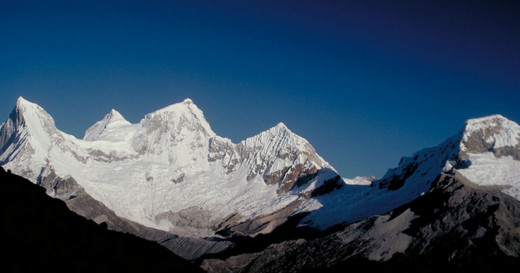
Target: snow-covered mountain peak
column 26, row 108
column 486, row 151
column 280, row 130
column 30, row 136
column 110, row 121
column 485, row 121
column 33, row 118
column 21, row 101
column 281, row 126
column 115, row 115
column 184, row 114
column 181, row 108
column 490, row 133
column 170, row 161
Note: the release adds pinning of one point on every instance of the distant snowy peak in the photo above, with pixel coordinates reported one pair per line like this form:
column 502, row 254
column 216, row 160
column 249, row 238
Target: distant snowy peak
column 359, row 180
column 486, row 151
column 281, row 157
column 114, row 118
column 282, row 142
column 494, row 134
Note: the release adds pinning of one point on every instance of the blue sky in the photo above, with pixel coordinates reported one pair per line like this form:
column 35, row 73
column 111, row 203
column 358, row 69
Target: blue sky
column 366, row 82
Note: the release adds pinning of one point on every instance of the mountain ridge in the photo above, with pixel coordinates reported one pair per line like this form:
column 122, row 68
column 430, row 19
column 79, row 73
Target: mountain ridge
column 170, row 153
column 172, row 173
column 173, row 151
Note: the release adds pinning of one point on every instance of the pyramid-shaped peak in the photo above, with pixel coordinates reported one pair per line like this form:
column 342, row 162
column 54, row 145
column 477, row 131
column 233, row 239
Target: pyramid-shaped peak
column 114, row 115
column 21, row 100
column 24, row 104
column 27, row 109
column 31, row 119
column 114, row 118
column 279, row 129
column 281, row 125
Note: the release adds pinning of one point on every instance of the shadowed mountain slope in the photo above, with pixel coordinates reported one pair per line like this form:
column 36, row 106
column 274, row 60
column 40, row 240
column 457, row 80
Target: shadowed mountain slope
column 40, row 233
column 456, row 226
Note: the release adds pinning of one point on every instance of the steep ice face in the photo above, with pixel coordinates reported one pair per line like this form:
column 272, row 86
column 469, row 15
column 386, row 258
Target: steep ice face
column 168, row 162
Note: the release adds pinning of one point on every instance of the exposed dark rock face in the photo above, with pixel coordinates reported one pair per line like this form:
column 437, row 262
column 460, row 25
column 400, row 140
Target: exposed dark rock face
column 61, row 188
column 457, row 226
column 328, row 186
column 395, row 182
column 192, row 248
column 259, row 225
column 294, row 174
column 465, row 224
column 300, row 162
column 40, row 233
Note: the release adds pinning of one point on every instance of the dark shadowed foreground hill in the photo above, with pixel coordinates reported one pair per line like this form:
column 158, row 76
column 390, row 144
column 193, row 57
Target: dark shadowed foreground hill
column 40, row 233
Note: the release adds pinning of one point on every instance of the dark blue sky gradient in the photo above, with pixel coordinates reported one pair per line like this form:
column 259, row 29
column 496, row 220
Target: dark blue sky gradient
column 366, row 82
